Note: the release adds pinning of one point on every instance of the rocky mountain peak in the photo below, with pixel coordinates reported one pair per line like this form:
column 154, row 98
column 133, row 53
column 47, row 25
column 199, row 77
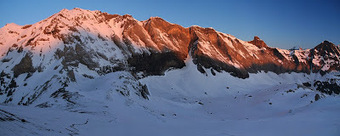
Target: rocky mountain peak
column 256, row 38
column 325, row 44
column 327, row 47
column 258, row 42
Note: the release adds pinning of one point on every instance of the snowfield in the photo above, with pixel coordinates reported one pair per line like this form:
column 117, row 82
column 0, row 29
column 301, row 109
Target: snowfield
column 184, row 102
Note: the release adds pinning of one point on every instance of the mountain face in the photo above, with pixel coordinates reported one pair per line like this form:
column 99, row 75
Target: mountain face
column 84, row 68
column 73, row 40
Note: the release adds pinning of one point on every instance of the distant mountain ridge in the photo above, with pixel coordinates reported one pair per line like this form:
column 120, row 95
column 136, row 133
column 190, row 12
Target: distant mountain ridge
column 103, row 43
column 207, row 47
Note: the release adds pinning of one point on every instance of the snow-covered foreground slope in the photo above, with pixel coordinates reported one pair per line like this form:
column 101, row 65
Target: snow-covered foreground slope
column 320, row 118
column 183, row 102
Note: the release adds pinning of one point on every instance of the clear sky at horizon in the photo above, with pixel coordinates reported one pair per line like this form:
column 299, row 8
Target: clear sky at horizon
column 280, row 23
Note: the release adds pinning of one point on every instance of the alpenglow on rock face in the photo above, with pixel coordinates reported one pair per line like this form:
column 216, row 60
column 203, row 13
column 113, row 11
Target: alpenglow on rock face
column 82, row 72
column 73, row 41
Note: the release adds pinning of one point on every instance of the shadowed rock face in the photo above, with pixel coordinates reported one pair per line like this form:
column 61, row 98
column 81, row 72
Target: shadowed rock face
column 206, row 62
column 325, row 54
column 73, row 56
column 155, row 63
column 328, row 87
column 24, row 66
column 326, row 48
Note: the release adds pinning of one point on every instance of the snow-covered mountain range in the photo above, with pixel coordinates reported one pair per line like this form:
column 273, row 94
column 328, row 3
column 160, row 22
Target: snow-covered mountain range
column 106, row 69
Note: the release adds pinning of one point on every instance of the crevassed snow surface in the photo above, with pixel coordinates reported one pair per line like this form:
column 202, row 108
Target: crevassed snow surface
column 185, row 102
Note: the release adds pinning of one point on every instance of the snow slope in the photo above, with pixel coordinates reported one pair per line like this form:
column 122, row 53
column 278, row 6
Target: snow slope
column 185, row 102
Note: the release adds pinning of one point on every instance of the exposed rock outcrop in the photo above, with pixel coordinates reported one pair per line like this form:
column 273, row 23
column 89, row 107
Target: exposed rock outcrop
column 258, row 42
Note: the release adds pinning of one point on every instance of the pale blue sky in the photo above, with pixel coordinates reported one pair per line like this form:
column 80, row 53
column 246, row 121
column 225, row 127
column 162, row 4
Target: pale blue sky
column 280, row 23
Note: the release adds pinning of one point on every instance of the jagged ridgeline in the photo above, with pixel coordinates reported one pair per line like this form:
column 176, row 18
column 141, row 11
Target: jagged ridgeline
column 50, row 56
